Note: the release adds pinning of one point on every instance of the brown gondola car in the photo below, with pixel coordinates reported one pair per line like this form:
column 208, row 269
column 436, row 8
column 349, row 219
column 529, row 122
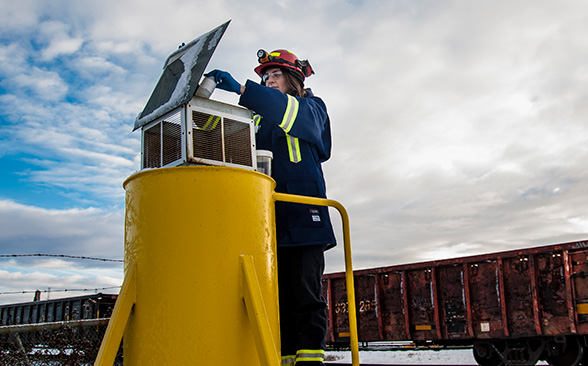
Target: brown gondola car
column 57, row 310
column 514, row 307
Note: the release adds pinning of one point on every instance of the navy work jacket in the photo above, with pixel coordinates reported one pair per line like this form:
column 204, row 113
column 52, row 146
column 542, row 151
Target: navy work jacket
column 298, row 133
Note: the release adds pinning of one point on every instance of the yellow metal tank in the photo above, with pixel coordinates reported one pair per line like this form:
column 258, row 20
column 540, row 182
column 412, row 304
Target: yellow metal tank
column 186, row 229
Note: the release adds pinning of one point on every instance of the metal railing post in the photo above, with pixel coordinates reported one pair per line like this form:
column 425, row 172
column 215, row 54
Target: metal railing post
column 119, row 319
column 348, row 265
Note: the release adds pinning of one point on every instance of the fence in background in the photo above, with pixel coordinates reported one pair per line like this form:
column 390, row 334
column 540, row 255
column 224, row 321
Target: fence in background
column 57, row 343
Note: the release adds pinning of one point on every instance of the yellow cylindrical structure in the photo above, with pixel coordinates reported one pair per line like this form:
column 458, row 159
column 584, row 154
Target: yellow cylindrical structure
column 185, row 231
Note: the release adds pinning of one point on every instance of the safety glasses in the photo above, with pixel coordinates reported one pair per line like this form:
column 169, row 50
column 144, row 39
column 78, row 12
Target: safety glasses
column 275, row 75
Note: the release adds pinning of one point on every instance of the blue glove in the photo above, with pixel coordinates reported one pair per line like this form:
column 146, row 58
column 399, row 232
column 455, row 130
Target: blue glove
column 225, row 81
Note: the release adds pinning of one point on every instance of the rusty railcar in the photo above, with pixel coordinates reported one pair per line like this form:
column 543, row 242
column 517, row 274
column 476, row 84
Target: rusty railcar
column 513, row 307
column 93, row 306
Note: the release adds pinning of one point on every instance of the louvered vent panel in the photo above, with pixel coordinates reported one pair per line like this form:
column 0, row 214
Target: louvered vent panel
column 237, row 142
column 152, row 147
column 171, row 140
column 162, row 142
column 207, row 136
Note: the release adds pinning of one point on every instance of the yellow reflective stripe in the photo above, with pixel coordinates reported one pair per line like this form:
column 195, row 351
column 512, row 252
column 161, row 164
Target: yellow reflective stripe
column 310, row 355
column 278, row 54
column 256, row 119
column 319, row 359
column 211, row 120
column 319, row 351
column 290, row 114
column 294, row 149
column 288, row 360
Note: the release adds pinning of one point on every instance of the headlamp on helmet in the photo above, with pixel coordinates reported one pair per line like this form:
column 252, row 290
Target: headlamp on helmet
column 283, row 59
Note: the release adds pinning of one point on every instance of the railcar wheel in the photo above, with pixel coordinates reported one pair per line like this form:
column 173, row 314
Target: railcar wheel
column 571, row 355
column 584, row 361
column 486, row 355
column 584, row 343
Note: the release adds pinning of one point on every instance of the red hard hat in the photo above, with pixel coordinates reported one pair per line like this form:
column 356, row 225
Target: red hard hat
column 285, row 59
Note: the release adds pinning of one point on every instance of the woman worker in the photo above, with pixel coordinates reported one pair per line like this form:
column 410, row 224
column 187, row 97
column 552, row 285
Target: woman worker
column 293, row 124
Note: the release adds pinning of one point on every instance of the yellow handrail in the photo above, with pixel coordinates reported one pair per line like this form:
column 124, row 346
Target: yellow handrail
column 348, row 265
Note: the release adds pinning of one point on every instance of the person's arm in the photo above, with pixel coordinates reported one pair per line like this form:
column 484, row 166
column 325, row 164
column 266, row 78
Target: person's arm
column 305, row 118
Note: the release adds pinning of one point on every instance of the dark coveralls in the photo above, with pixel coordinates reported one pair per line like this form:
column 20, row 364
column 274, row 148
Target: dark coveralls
column 297, row 131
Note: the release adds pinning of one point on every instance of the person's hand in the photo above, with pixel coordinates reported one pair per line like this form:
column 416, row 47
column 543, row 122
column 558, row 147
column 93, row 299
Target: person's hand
column 225, row 81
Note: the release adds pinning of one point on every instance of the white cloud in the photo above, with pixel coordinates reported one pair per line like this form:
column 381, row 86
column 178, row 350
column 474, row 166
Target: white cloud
column 91, row 232
column 12, row 59
column 23, row 283
column 113, row 102
column 59, row 42
column 47, row 85
column 17, row 15
column 98, row 65
column 60, row 47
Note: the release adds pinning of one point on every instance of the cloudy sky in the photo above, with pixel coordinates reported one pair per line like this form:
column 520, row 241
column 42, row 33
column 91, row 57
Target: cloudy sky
column 459, row 127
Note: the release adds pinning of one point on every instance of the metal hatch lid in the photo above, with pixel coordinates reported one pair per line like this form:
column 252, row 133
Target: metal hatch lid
column 182, row 71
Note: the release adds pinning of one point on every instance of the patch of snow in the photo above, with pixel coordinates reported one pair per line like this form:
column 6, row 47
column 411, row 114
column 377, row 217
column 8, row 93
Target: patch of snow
column 408, row 357
column 180, row 94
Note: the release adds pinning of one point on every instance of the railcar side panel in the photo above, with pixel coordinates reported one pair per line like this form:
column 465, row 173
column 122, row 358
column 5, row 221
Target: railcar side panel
column 551, row 288
column 365, row 298
column 452, row 302
column 485, row 297
column 391, row 305
column 42, row 313
column 421, row 311
column 579, row 275
column 59, row 311
column 519, row 297
column 339, row 310
column 50, row 315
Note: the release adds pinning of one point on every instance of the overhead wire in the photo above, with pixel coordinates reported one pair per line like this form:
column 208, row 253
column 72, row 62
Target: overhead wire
column 61, row 256
column 57, row 290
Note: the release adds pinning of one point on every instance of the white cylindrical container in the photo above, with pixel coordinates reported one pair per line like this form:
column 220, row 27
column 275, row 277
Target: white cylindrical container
column 264, row 161
column 206, row 88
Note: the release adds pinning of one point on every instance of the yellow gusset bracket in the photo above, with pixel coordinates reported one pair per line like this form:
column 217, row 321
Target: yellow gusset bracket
column 348, row 265
column 262, row 334
column 119, row 319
